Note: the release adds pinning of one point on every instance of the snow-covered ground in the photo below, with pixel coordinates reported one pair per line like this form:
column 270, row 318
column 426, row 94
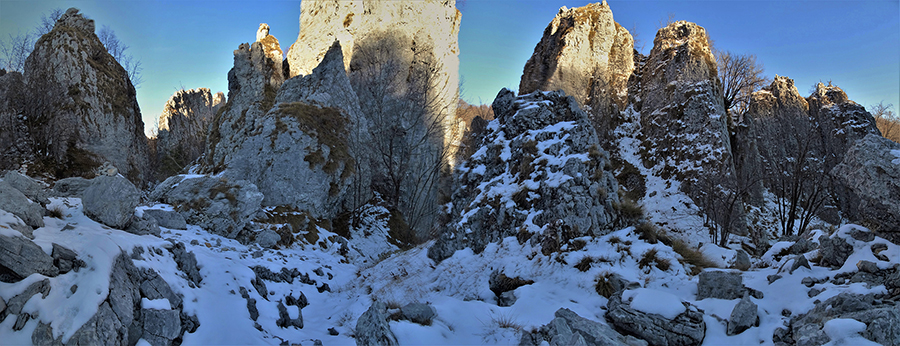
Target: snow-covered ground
column 467, row 311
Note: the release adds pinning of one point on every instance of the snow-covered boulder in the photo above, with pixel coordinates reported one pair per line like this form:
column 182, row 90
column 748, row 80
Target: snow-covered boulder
column 567, row 328
column 111, row 201
column 15, row 202
column 871, row 170
column 658, row 317
column 880, row 321
column 220, row 205
column 539, row 170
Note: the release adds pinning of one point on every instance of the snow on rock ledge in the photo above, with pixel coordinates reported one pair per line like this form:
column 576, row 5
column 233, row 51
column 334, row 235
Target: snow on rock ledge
column 539, row 170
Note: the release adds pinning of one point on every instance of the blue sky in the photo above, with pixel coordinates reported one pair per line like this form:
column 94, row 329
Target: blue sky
column 855, row 44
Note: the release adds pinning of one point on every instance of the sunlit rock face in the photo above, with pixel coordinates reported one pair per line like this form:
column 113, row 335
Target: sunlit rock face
column 182, row 129
column 414, row 32
column 585, row 53
column 83, row 109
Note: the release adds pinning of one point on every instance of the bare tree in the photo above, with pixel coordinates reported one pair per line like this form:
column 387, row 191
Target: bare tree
column 117, row 49
column 722, row 200
column 15, row 50
column 886, row 121
column 48, row 21
column 799, row 189
column 401, row 89
column 741, row 75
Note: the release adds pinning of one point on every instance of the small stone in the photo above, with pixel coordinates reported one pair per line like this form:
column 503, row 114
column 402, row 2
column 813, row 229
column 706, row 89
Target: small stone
column 74, row 288
column 773, row 278
column 799, row 261
column 743, row 316
column 814, row 292
column 332, row 331
column 867, row 266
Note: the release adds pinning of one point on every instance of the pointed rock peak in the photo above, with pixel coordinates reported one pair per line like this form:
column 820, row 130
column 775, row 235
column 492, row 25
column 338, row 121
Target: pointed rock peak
column 333, row 59
column 829, row 94
column 681, row 32
column 262, row 32
column 74, row 19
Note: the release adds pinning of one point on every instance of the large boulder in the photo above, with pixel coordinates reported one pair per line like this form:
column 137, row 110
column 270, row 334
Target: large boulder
column 683, row 119
column 372, row 328
column 720, row 284
column 871, row 170
column 182, row 129
column 34, row 190
column 13, row 201
column 20, row 257
column 567, row 328
column 685, row 328
column 70, row 187
column 167, row 218
column 539, row 170
column 585, row 53
column 744, row 315
column 111, row 201
column 222, row 206
column 82, row 107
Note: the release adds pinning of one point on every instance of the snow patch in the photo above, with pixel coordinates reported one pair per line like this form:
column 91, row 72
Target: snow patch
column 654, row 302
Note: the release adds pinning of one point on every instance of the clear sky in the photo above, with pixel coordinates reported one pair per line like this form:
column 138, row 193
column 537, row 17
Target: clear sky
column 854, row 44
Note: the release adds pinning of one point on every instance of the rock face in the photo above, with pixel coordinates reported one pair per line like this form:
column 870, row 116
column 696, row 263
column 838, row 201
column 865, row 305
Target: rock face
column 683, row 116
column 222, row 206
column 540, row 156
column 431, row 24
column 19, row 258
column 303, row 152
column 15, row 142
column 781, row 127
column 182, row 129
column 871, row 170
column 402, row 60
column 585, row 53
column 82, row 108
column 120, row 320
column 687, row 328
column 111, row 201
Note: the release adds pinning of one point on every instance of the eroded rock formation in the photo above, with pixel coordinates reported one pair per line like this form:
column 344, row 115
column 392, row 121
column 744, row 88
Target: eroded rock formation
column 82, row 109
column 182, row 129
column 539, row 174
column 585, row 53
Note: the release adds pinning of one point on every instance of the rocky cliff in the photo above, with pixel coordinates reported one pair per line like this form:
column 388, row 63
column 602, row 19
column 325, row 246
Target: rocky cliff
column 538, row 174
column 585, row 53
column 683, row 117
column 297, row 141
column 182, row 129
column 83, row 109
column 15, row 141
column 784, row 132
column 402, row 35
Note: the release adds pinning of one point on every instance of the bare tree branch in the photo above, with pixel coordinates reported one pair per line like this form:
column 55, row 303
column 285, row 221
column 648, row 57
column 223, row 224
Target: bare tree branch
column 740, row 75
